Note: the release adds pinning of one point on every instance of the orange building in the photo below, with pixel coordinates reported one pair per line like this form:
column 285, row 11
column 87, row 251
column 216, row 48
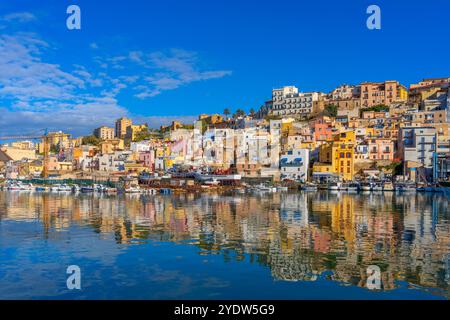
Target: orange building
column 375, row 93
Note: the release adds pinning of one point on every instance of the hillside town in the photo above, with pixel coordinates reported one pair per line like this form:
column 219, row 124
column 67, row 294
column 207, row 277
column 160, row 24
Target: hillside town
column 372, row 135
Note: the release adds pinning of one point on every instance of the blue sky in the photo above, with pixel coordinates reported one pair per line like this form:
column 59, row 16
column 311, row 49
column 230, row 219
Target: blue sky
column 159, row 60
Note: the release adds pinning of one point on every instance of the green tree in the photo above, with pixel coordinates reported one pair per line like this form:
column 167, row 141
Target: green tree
column 239, row 113
column 377, row 108
column 91, row 140
column 252, row 112
column 331, row 110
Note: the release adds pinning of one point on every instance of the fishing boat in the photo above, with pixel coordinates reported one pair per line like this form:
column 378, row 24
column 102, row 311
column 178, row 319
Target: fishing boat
column 377, row 187
column 352, row 186
column 405, row 187
column 41, row 188
column 212, row 182
column 99, row 188
column 19, row 186
column 388, row 186
column 309, row 187
column 110, row 190
column 366, row 186
column 334, row 186
column 87, row 189
column 265, row 188
column 133, row 189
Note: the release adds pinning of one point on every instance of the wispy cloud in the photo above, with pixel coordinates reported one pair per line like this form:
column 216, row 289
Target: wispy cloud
column 18, row 17
column 36, row 93
column 161, row 71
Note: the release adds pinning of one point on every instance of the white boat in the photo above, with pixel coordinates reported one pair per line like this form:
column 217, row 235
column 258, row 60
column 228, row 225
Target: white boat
column 352, row 187
column 265, row 188
column 335, row 186
column 309, row 187
column 61, row 188
column 377, row 187
column 366, row 186
column 135, row 189
column 109, row 190
column 282, row 189
column 19, row 186
column 212, row 182
column 405, row 187
column 99, row 188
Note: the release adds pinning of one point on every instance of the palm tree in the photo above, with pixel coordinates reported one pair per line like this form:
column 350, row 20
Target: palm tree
column 226, row 112
column 239, row 113
column 252, row 112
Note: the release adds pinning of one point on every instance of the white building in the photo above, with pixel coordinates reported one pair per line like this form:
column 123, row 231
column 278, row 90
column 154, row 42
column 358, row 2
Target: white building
column 287, row 101
column 345, row 92
column 294, row 165
column 113, row 162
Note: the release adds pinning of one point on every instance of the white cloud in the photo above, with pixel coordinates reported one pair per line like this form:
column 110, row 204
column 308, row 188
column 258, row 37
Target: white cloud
column 36, row 94
column 160, row 71
column 175, row 69
column 18, row 17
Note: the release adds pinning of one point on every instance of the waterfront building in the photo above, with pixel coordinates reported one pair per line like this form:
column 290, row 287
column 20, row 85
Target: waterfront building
column 417, row 145
column 380, row 149
column 294, row 165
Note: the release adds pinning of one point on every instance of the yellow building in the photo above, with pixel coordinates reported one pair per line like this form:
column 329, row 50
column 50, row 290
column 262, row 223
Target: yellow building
column 343, row 152
column 133, row 130
column 109, row 146
column 36, row 167
column 338, row 157
column 104, row 133
column 121, row 127
column 24, row 145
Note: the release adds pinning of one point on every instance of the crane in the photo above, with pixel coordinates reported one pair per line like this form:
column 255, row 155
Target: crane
column 44, row 138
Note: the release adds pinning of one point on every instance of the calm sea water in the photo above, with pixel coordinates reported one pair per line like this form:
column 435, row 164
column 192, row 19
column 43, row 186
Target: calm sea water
column 227, row 246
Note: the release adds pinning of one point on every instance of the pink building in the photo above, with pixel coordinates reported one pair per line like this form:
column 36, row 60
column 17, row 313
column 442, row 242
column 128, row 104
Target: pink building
column 148, row 159
column 323, row 130
column 381, row 149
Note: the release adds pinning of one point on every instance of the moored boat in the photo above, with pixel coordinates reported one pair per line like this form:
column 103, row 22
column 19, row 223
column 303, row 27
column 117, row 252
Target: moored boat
column 388, row 186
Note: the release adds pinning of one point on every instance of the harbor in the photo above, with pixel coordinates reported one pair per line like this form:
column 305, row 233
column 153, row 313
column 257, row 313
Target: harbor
column 298, row 244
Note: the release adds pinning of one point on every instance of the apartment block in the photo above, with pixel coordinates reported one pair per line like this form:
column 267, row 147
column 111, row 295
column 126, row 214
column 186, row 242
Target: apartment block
column 387, row 92
column 121, row 127
column 104, row 133
column 418, row 145
column 294, row 165
column 289, row 102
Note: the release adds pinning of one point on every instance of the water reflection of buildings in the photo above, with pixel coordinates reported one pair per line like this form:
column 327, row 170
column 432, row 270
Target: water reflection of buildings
column 299, row 236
